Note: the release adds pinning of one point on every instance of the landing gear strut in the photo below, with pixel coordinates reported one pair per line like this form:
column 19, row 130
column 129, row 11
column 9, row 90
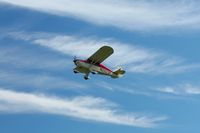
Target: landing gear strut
column 86, row 77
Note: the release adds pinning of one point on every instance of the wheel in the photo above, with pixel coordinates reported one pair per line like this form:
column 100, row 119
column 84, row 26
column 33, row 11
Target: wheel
column 75, row 71
column 93, row 72
column 86, row 78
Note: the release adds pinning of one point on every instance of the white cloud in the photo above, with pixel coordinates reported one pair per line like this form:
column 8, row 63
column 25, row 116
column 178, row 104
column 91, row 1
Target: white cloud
column 22, row 57
column 135, row 58
column 33, row 80
column 190, row 89
column 168, row 90
column 23, row 66
column 142, row 15
column 88, row 108
column 87, row 46
column 123, row 88
column 183, row 89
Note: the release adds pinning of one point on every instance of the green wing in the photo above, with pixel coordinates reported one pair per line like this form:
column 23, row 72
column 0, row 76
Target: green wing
column 100, row 55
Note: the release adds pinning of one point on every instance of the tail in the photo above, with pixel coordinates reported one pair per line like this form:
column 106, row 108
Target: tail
column 118, row 73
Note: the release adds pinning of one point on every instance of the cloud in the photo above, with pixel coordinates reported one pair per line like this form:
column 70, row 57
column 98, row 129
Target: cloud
column 183, row 89
column 136, row 59
column 132, row 15
column 193, row 90
column 39, row 68
column 123, row 88
column 18, row 79
column 87, row 108
column 22, row 57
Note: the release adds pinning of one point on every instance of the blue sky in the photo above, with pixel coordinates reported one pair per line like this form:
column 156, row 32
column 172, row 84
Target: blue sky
column 156, row 42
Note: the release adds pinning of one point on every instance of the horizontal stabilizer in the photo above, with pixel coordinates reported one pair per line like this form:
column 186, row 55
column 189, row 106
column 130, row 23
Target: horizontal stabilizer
column 118, row 73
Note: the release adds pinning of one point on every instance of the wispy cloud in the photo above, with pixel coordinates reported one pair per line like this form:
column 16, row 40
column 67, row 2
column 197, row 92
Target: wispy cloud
column 20, row 56
column 88, row 108
column 37, row 81
column 183, row 89
column 138, row 15
column 136, row 59
column 123, row 88
column 23, row 66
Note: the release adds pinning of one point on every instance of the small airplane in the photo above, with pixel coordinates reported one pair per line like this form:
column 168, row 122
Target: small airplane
column 93, row 64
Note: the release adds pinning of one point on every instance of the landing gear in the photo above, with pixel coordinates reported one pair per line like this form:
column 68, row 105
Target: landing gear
column 86, row 77
column 93, row 72
column 75, row 71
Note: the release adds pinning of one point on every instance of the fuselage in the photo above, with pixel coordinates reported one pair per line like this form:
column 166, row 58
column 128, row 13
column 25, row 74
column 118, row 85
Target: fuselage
column 83, row 66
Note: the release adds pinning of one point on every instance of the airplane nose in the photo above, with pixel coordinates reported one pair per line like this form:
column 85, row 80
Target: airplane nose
column 75, row 62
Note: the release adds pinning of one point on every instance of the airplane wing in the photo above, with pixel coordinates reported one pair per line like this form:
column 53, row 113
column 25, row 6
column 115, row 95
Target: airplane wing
column 100, row 55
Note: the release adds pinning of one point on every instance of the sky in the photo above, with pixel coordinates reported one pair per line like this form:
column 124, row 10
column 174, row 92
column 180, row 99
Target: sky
column 156, row 42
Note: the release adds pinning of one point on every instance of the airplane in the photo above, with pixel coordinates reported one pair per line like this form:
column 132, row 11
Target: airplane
column 93, row 64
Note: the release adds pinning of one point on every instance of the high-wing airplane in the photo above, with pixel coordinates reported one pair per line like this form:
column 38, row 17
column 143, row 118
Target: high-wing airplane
column 93, row 64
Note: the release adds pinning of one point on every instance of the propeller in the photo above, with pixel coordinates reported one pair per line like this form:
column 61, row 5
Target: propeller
column 75, row 59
